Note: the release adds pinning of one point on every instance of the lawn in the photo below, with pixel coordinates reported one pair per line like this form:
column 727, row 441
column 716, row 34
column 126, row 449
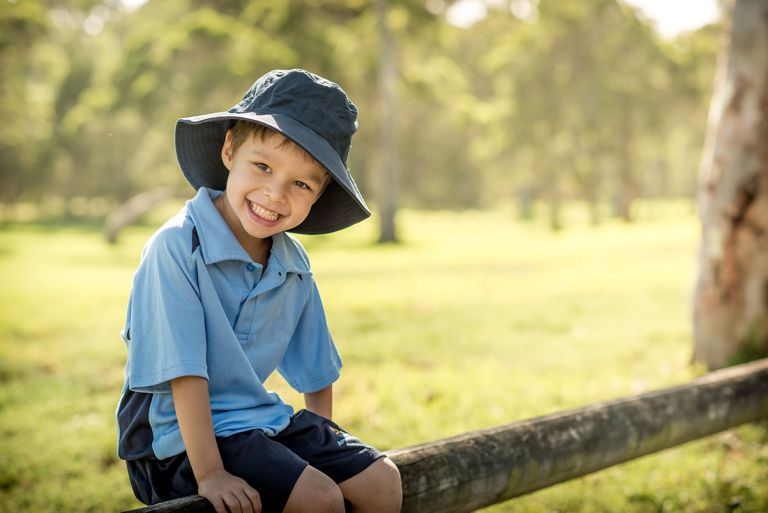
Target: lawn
column 474, row 320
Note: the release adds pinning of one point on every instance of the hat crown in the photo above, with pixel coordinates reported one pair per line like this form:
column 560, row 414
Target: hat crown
column 313, row 101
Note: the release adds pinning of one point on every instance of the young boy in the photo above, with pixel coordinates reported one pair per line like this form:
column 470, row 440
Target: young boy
column 223, row 297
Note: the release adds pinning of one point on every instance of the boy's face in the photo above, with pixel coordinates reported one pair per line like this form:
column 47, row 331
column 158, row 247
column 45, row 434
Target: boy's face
column 270, row 188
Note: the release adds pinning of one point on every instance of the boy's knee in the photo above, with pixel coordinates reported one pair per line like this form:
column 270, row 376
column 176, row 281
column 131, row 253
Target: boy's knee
column 388, row 490
column 315, row 492
column 328, row 499
column 394, row 479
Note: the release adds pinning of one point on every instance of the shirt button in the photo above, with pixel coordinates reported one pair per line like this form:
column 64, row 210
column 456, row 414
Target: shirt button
column 250, row 267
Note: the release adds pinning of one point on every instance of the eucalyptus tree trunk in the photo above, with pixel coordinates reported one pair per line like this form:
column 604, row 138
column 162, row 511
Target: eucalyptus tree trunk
column 731, row 295
column 627, row 187
column 389, row 175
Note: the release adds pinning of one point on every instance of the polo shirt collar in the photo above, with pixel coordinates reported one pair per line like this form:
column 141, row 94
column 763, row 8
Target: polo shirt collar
column 286, row 254
column 218, row 243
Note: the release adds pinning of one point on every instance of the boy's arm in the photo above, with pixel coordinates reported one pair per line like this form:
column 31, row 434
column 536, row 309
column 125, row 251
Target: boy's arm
column 320, row 402
column 193, row 411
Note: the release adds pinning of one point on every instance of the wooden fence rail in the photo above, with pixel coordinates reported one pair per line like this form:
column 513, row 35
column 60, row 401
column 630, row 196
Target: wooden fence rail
column 481, row 468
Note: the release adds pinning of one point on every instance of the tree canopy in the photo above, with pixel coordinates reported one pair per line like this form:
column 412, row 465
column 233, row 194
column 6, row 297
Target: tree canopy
column 540, row 99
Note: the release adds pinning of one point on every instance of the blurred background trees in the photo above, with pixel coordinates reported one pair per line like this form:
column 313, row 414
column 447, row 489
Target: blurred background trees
column 540, row 102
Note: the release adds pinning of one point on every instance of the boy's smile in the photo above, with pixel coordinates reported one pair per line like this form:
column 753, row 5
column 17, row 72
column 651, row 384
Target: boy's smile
column 263, row 214
column 271, row 187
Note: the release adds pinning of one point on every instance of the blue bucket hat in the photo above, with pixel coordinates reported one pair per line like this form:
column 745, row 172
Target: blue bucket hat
column 313, row 112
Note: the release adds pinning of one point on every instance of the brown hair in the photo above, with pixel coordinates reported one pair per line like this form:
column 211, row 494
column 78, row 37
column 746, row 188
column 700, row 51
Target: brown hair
column 243, row 130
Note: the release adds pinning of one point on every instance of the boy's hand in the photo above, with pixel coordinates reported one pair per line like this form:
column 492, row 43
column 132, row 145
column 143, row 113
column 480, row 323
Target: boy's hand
column 193, row 409
column 229, row 493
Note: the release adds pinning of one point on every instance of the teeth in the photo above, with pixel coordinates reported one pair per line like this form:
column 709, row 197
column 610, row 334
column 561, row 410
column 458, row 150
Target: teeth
column 262, row 212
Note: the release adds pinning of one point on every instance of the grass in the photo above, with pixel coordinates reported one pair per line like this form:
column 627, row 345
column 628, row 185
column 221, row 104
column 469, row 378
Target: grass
column 474, row 321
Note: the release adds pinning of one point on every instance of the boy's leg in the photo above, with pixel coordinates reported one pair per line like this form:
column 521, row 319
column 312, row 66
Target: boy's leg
column 377, row 489
column 315, row 492
column 368, row 480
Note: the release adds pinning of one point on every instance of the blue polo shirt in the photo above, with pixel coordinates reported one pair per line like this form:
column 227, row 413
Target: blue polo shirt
column 200, row 306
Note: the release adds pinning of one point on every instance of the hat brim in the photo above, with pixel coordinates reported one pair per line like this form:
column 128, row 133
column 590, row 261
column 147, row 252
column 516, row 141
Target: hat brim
column 199, row 140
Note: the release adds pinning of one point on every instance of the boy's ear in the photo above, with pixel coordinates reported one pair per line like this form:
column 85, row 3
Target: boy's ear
column 227, row 154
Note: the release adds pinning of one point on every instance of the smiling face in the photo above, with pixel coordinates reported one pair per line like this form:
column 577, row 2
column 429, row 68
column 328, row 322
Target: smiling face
column 271, row 187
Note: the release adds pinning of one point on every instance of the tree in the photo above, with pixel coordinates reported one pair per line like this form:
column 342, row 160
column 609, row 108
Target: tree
column 577, row 99
column 581, row 93
column 22, row 26
column 731, row 295
column 389, row 174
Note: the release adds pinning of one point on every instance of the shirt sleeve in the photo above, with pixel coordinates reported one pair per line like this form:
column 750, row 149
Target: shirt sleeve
column 165, row 329
column 311, row 361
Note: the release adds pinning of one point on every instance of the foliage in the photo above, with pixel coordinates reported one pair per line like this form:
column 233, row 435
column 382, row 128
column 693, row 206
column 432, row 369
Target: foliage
column 474, row 321
column 577, row 99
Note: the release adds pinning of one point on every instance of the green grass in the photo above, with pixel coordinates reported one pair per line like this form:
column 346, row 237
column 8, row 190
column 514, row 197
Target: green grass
column 475, row 320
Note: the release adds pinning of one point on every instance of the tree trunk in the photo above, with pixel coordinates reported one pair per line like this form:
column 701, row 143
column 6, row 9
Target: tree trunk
column 129, row 211
column 627, row 186
column 554, row 201
column 526, row 195
column 389, row 175
column 730, row 304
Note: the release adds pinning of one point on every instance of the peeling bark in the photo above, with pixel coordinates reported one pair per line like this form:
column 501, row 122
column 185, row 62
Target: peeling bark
column 730, row 303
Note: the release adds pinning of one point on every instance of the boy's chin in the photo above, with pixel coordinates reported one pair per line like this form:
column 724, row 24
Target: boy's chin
column 267, row 232
column 262, row 231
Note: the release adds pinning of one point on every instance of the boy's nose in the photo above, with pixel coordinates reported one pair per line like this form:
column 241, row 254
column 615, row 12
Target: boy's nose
column 275, row 192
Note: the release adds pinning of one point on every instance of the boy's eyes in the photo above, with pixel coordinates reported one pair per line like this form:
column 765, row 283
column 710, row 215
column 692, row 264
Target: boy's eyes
column 266, row 169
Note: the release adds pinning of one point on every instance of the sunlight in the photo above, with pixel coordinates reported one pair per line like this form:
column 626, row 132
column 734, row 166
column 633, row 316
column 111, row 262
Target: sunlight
column 671, row 18
column 132, row 5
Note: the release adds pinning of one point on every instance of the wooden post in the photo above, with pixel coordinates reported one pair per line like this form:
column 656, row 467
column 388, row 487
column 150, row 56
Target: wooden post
column 481, row 468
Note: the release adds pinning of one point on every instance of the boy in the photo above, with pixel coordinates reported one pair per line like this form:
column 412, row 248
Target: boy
column 223, row 297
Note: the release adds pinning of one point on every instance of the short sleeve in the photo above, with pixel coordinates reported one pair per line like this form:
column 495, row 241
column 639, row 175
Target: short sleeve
column 165, row 329
column 311, row 361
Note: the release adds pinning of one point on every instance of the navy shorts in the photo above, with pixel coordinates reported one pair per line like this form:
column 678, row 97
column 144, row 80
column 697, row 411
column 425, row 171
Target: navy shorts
column 270, row 464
